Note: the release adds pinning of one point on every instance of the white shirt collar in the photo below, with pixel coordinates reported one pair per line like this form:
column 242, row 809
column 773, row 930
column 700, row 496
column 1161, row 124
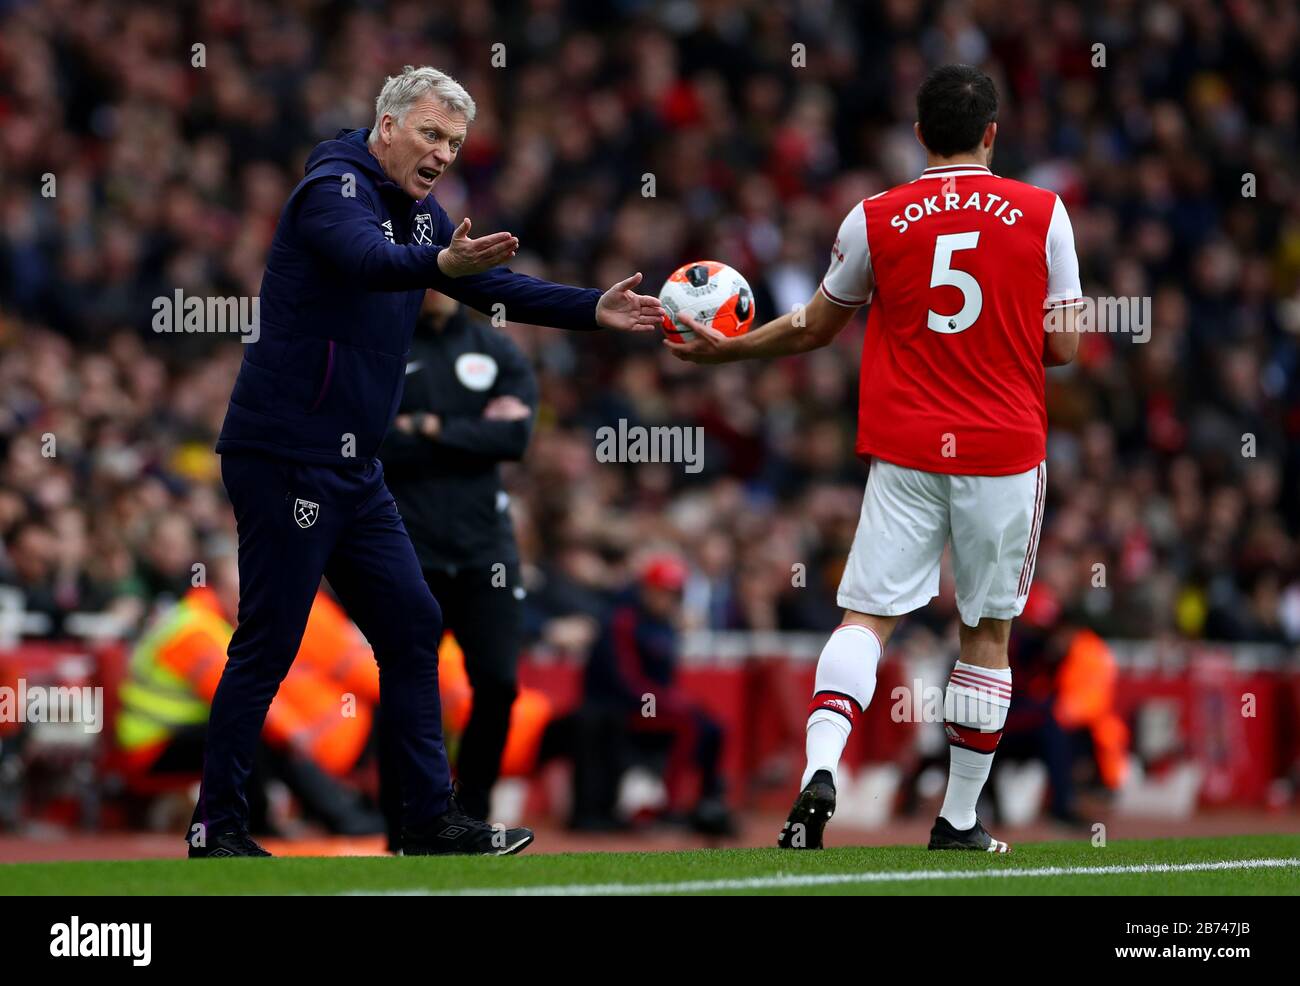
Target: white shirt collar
column 955, row 171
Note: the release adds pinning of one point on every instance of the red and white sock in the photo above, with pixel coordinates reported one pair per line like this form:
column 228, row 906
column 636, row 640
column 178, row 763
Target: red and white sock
column 846, row 680
column 974, row 710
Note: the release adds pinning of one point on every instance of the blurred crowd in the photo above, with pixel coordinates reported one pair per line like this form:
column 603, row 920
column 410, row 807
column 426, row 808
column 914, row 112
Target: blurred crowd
column 638, row 135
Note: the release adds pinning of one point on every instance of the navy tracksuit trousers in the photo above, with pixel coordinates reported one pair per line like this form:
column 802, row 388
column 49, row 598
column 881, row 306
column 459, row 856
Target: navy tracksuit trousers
column 296, row 523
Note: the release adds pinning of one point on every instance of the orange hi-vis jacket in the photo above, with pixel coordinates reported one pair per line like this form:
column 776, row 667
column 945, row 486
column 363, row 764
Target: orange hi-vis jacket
column 323, row 710
column 1085, row 698
column 529, row 716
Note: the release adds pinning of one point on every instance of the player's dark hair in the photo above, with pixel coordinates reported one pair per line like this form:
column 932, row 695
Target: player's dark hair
column 953, row 107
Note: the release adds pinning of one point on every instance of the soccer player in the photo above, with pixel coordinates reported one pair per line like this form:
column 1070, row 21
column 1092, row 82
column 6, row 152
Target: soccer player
column 359, row 240
column 973, row 284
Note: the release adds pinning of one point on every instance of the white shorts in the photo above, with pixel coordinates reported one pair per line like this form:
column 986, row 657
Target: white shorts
column 908, row 516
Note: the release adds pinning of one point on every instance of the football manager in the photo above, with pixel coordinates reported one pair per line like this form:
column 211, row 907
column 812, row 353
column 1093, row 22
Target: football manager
column 360, row 239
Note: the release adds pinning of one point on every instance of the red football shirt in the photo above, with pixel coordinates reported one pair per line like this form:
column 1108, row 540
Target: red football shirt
column 958, row 267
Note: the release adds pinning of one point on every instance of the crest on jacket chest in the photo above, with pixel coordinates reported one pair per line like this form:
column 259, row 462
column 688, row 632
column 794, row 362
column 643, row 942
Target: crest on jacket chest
column 423, row 231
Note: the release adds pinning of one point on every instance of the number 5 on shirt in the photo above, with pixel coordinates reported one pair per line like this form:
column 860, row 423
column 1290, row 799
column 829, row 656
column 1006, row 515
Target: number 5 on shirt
column 943, row 274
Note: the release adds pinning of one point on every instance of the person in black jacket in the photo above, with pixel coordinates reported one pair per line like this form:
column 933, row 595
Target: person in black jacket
column 467, row 406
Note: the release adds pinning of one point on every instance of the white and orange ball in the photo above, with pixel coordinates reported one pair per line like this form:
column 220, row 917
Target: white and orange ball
column 711, row 293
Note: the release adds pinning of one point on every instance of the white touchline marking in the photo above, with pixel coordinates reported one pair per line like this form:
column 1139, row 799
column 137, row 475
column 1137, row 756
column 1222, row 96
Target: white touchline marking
column 779, row 880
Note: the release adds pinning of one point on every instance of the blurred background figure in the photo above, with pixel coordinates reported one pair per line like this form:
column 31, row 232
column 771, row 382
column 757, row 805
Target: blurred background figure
column 1064, row 709
column 467, row 406
column 316, row 731
column 633, row 708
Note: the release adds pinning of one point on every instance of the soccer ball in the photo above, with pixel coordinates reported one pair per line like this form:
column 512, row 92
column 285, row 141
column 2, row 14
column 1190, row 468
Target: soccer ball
column 711, row 293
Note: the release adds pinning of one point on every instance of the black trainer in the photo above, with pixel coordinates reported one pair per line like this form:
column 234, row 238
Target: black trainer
column 712, row 817
column 975, row 838
column 455, row 833
column 812, row 810
column 227, row 844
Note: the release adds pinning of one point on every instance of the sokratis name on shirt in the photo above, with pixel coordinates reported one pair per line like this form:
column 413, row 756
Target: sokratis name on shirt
column 947, row 201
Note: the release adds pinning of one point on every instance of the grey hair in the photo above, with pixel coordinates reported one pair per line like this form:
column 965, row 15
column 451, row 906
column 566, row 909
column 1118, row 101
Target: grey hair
column 401, row 92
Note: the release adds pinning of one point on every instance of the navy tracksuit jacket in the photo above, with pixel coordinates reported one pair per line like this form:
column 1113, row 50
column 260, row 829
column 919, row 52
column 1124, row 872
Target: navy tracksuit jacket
column 344, row 280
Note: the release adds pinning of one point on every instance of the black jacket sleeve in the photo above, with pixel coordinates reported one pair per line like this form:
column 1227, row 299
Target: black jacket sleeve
column 526, row 299
column 346, row 231
column 499, row 440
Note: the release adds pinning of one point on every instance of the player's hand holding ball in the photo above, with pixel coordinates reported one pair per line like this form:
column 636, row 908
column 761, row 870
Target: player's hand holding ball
column 706, row 304
column 703, row 345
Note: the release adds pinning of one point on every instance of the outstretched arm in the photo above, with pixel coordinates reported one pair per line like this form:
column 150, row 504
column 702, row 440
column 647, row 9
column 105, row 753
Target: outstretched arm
column 848, row 285
column 537, row 302
column 810, row 327
column 345, row 231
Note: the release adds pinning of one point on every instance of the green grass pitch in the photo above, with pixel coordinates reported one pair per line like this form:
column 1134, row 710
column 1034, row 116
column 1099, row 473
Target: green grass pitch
column 1230, row 865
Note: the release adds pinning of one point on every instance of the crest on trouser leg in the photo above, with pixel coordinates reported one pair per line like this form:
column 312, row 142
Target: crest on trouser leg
column 305, row 512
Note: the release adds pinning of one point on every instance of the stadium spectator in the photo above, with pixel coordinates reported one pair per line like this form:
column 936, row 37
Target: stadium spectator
column 633, row 707
column 308, row 746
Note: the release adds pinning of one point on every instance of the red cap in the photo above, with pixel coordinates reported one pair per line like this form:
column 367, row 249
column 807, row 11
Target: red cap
column 1042, row 609
column 667, row 572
